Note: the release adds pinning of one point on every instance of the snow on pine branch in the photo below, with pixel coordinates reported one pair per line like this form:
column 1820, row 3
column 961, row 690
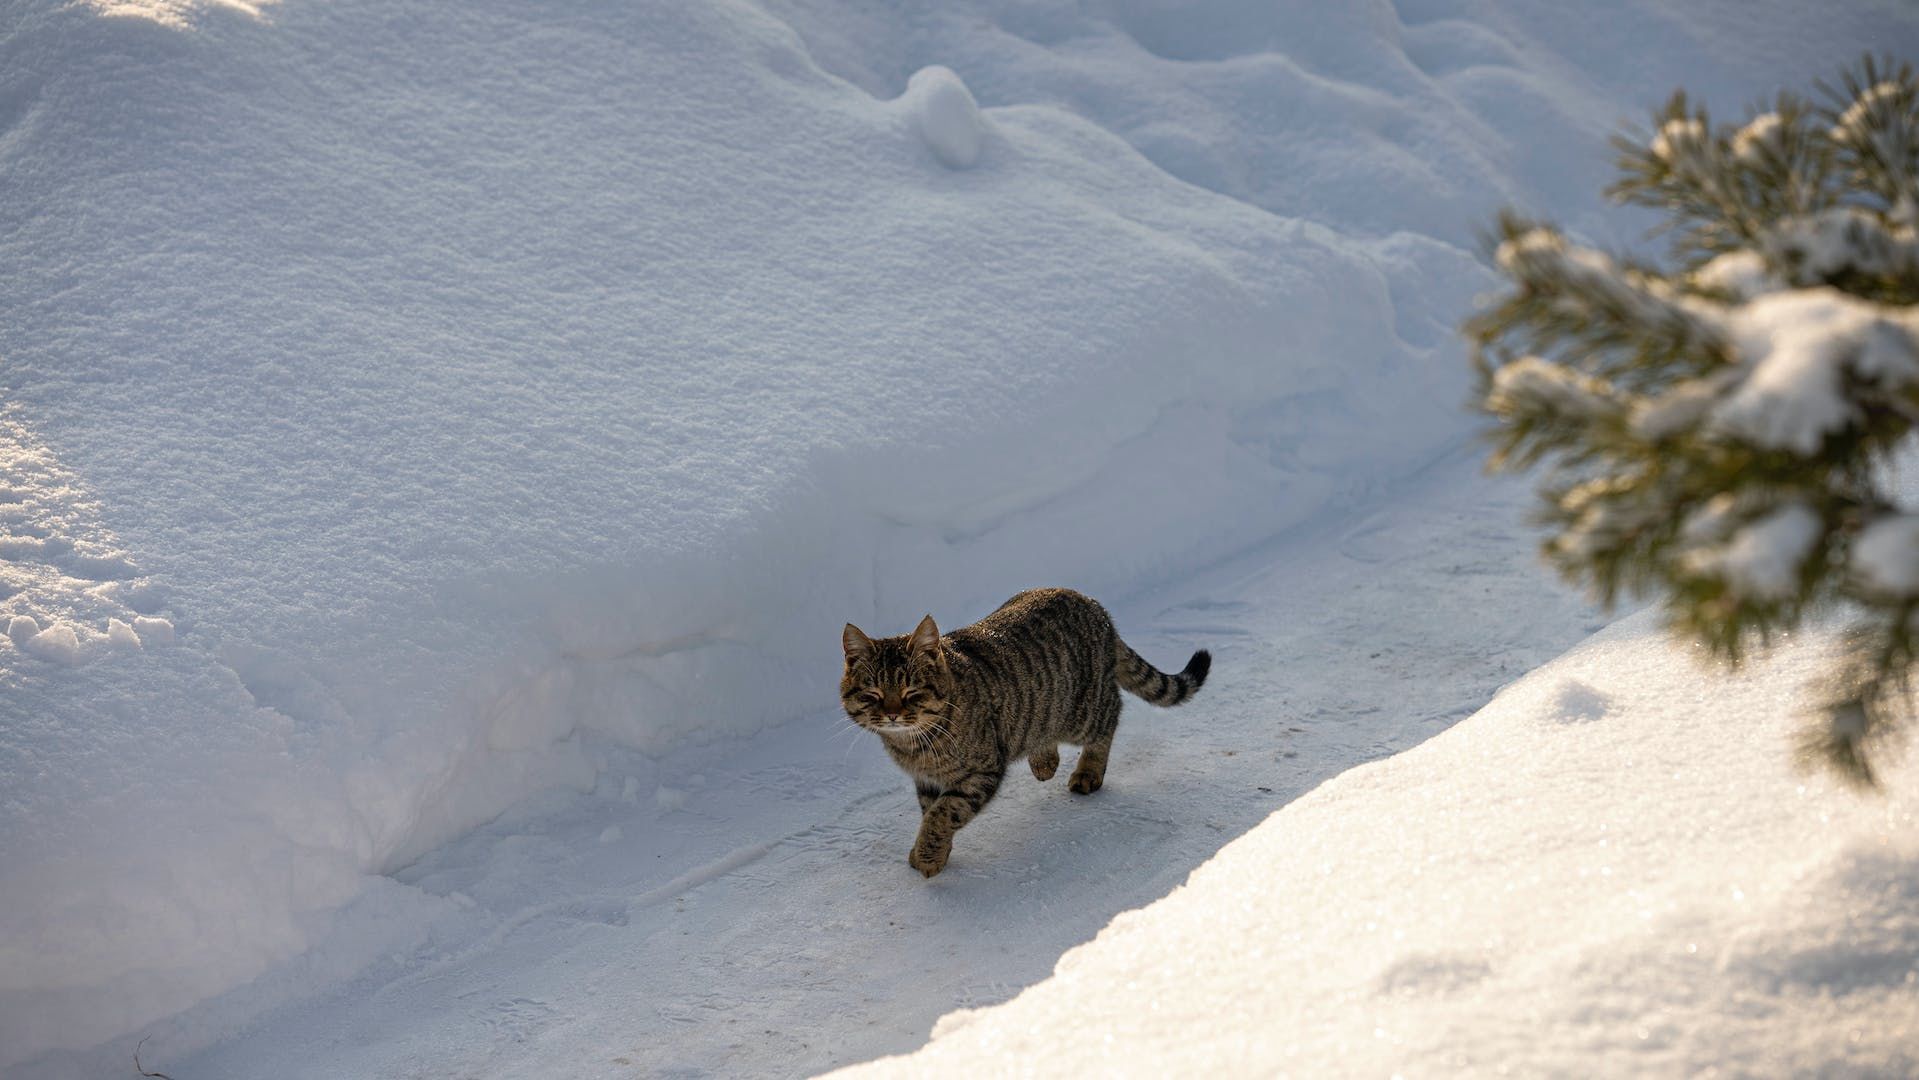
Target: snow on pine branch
column 1838, row 242
column 1763, row 560
column 1813, row 361
column 1789, row 367
column 1885, row 558
column 1719, row 435
column 1583, row 281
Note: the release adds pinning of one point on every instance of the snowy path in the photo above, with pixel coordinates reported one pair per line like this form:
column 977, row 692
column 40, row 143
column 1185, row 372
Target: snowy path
column 775, row 929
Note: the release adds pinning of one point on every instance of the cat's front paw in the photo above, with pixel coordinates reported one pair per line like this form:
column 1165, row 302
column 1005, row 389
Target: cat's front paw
column 927, row 859
column 1044, row 763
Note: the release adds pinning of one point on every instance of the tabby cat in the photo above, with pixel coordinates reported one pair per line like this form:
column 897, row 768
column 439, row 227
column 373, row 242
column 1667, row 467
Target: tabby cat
column 955, row 711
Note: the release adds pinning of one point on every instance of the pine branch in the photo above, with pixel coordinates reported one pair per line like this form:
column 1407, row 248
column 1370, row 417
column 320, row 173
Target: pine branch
column 1718, row 435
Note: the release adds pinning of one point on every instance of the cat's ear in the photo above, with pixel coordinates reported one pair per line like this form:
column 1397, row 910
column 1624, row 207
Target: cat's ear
column 926, row 636
column 857, row 644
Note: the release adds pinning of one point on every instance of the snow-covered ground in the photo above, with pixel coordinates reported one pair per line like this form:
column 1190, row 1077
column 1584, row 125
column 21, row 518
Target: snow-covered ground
column 747, row 910
column 442, row 441
column 1611, row 869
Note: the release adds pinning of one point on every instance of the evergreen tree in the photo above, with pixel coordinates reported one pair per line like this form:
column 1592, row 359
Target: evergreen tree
column 1718, row 434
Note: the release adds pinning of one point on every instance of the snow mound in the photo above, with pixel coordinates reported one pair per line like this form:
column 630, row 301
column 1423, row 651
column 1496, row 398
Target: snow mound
column 1660, row 891
column 121, row 636
column 58, row 643
column 945, row 115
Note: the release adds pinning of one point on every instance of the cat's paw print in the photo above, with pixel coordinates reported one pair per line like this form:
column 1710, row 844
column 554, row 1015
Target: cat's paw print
column 519, row 1019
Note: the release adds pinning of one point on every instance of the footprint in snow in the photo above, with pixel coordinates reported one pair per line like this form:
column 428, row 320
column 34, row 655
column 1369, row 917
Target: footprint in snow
column 1576, row 703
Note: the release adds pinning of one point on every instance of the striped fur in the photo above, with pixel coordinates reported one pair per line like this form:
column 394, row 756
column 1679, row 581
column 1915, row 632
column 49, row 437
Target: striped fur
column 955, row 711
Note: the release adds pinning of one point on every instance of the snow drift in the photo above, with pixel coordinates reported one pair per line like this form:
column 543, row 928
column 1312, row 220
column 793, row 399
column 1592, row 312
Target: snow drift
column 400, row 395
column 1611, row 867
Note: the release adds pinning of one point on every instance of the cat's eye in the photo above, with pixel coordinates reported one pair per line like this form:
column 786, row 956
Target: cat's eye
column 869, row 695
column 917, row 695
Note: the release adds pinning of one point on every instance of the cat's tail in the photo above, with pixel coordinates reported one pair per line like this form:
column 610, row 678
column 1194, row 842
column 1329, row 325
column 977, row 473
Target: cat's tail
column 1136, row 676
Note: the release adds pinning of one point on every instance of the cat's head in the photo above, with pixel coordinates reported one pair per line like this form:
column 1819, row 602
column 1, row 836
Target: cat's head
column 897, row 686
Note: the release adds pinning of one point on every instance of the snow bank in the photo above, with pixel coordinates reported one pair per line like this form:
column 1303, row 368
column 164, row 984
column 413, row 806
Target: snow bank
column 1612, row 866
column 451, row 383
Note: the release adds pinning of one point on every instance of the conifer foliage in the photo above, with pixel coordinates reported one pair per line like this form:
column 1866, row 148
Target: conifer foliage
column 1718, row 433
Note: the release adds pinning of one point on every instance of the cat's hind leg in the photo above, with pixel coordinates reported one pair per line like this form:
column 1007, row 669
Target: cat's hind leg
column 1044, row 762
column 1089, row 772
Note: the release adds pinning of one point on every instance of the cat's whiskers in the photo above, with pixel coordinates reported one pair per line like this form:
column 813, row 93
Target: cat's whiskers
column 847, row 725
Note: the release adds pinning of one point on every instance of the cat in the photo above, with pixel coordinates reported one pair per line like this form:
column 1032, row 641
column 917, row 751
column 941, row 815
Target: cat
column 955, row 711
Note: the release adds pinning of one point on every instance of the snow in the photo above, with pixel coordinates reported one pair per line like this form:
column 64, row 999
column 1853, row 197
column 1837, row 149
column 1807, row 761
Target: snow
column 1592, row 286
column 1681, row 407
column 177, row 14
column 1762, row 560
column 469, row 406
column 449, row 434
column 1613, row 861
column 121, row 636
column 1796, row 348
column 59, row 644
column 1566, row 391
column 1758, row 138
column 1741, row 274
column 1802, row 360
column 770, row 926
column 946, row 116
column 1680, row 142
column 1819, row 247
column 153, row 631
column 1855, row 122
column 1885, row 557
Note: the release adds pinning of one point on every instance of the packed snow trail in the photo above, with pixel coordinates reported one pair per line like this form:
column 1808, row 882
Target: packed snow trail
column 754, row 914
